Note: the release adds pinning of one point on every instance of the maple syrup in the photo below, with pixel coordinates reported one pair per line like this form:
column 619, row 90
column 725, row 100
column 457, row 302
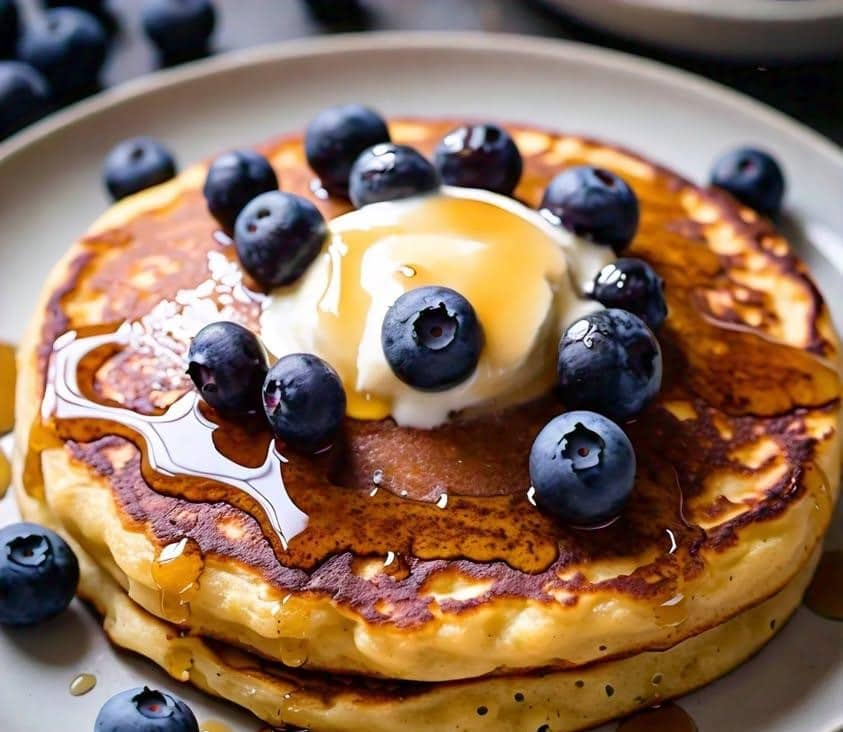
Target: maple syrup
column 213, row 725
column 8, row 378
column 82, row 684
column 176, row 572
column 665, row 718
column 825, row 593
column 5, row 473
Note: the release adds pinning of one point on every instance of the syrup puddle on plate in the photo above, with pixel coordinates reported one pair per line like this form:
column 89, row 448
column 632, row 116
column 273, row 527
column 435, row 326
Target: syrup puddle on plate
column 825, row 593
column 666, row 718
column 82, row 684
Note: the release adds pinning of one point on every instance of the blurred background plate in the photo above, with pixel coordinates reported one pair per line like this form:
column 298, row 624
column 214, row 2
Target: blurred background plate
column 748, row 30
column 50, row 191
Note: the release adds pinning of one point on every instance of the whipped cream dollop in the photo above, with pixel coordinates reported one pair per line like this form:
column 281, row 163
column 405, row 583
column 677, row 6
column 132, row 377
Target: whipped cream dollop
column 526, row 279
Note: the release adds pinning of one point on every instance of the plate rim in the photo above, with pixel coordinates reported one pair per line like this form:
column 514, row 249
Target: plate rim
column 762, row 11
column 366, row 42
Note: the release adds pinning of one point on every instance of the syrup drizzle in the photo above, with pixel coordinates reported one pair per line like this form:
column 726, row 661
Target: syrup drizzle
column 179, row 442
column 8, row 374
column 176, row 572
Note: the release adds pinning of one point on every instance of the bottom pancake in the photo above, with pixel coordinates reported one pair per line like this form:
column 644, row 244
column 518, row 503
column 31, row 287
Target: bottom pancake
column 558, row 701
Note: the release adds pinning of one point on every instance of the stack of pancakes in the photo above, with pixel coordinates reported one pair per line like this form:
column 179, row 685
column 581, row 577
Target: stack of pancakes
column 396, row 609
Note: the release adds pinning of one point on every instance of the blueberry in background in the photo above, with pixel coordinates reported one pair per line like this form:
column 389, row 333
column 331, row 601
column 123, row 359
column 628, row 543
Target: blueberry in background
column 479, row 156
column 632, row 284
column 234, row 179
column 304, row 401
column 24, row 96
column 431, row 338
column 9, row 28
column 136, row 164
column 593, row 203
column 145, row 710
column 753, row 177
column 180, row 29
column 97, row 8
column 388, row 172
column 68, row 46
column 336, row 12
column 277, row 236
column 335, row 138
column 39, row 574
column 227, row 364
column 609, row 362
column 582, row 468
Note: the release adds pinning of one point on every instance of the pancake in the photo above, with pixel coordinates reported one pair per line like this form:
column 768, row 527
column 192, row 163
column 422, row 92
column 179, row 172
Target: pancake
column 559, row 701
column 738, row 467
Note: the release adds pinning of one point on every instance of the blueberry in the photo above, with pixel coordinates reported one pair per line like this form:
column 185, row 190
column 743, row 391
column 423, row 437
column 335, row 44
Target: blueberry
column 227, row 364
column 9, row 27
column 98, row 8
column 333, row 12
column 336, row 137
column 23, row 96
column 304, row 401
column 388, row 172
column 145, row 710
column 609, row 362
column 753, row 177
column 39, row 574
column 582, row 467
column 277, row 236
column 136, row 164
column 633, row 285
column 180, row 29
column 68, row 46
column 234, row 179
column 479, row 156
column 431, row 338
column 593, row 203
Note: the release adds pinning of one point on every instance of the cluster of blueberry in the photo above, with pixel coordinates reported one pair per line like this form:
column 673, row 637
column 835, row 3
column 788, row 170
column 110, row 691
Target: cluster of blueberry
column 60, row 54
column 609, row 363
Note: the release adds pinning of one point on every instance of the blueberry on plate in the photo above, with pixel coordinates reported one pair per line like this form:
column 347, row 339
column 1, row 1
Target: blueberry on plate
column 333, row 12
column 136, row 164
column 23, row 96
column 304, row 401
column 9, row 27
column 68, row 46
column 593, row 203
column 98, row 8
column 609, row 362
column 180, row 29
column 753, row 177
column 479, row 156
column 277, row 236
column 336, row 137
column 388, row 172
column 431, row 338
column 234, row 179
column 145, row 710
column 227, row 364
column 39, row 574
column 632, row 284
column 582, row 468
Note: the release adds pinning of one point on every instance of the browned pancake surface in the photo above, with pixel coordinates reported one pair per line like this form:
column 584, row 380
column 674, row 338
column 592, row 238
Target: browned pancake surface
column 726, row 361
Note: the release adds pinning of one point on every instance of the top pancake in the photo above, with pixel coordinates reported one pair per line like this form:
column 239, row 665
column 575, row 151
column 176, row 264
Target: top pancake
column 732, row 494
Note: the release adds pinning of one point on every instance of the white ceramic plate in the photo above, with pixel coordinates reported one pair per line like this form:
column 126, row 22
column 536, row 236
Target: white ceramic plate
column 50, row 191
column 749, row 30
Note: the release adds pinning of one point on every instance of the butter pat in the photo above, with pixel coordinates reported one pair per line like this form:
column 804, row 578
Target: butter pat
column 524, row 277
